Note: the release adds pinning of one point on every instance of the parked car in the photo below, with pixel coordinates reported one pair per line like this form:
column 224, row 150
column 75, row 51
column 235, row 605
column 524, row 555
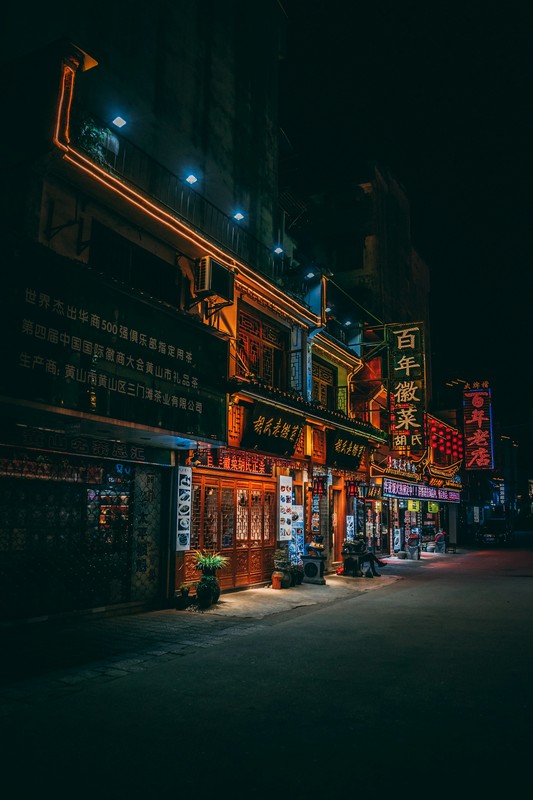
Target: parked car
column 495, row 531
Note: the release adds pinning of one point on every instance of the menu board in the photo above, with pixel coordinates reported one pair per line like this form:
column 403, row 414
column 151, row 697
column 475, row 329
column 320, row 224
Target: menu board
column 183, row 533
column 285, row 508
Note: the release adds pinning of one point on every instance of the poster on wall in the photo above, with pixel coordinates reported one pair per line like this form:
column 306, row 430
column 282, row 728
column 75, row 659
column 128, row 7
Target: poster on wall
column 183, row 533
column 285, row 508
column 296, row 544
column 350, row 528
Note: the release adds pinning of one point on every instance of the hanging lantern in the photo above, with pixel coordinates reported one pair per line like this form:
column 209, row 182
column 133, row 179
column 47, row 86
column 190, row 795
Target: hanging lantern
column 351, row 488
column 319, row 486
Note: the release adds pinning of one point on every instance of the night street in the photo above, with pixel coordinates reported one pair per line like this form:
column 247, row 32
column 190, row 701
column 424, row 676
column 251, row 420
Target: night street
column 266, row 471
column 447, row 649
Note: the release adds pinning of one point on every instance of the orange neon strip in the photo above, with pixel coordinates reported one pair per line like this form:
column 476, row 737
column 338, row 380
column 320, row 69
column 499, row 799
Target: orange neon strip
column 63, row 115
column 109, row 181
column 62, row 131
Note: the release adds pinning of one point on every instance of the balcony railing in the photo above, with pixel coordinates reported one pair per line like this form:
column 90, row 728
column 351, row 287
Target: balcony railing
column 128, row 162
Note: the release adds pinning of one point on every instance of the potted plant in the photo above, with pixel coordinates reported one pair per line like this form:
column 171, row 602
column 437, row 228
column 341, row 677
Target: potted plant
column 207, row 591
column 282, row 564
column 182, row 599
column 299, row 570
column 208, row 562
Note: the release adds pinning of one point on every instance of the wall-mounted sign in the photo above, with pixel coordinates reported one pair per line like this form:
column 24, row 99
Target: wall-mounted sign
column 418, row 491
column 407, row 386
column 87, row 346
column 477, row 421
column 344, row 450
column 39, row 439
column 285, row 508
column 272, row 430
column 183, row 533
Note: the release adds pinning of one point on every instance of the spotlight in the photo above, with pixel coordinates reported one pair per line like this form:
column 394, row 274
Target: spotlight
column 278, row 250
column 119, row 122
column 238, row 216
column 191, row 179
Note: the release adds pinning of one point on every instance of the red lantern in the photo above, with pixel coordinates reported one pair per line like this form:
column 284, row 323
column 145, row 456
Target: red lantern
column 319, row 487
column 351, row 488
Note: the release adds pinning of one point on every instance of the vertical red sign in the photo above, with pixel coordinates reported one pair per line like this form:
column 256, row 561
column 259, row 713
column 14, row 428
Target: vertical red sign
column 407, row 386
column 477, row 420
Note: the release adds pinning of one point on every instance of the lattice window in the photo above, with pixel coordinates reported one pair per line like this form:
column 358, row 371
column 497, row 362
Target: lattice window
column 211, row 519
column 196, row 508
column 256, row 515
column 296, row 370
column 342, row 399
column 242, row 515
column 269, row 517
column 227, row 510
column 262, row 350
column 324, row 385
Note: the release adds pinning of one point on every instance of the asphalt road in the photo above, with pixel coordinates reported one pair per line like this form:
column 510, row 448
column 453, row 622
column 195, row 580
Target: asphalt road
column 418, row 683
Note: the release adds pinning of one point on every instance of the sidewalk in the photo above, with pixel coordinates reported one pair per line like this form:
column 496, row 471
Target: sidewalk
column 41, row 661
column 265, row 601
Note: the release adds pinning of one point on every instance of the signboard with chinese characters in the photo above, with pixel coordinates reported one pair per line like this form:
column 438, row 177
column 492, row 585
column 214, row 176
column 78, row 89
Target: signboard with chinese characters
column 344, row 450
column 418, row 491
column 184, row 501
column 88, row 346
column 285, row 508
column 407, row 386
column 273, row 430
column 40, row 439
column 477, row 421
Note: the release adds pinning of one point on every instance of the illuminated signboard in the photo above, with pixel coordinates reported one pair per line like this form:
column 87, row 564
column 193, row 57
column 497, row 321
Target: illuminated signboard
column 419, row 492
column 79, row 343
column 477, row 421
column 344, row 450
column 273, row 430
column 407, row 386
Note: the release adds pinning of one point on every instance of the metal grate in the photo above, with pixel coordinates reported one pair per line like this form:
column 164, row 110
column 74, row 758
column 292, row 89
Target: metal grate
column 67, row 546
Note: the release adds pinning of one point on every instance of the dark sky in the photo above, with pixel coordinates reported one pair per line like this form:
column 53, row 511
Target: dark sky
column 441, row 94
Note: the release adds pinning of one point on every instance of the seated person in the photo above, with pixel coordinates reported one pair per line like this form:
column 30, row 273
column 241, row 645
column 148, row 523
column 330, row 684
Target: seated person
column 366, row 556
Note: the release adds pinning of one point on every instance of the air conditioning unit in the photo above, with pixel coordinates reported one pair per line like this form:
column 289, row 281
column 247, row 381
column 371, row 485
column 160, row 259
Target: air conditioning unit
column 213, row 278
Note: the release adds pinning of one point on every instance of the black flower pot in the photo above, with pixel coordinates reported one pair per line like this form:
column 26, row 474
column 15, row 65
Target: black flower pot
column 204, row 595
column 181, row 602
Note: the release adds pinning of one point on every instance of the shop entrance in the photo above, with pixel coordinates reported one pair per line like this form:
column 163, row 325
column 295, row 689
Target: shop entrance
column 76, row 534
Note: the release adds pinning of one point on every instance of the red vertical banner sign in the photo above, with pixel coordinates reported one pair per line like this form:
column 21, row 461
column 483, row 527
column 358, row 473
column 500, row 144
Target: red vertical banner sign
column 477, row 421
column 407, row 376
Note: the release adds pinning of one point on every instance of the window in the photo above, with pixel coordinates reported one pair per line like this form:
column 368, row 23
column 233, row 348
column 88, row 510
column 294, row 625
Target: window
column 116, row 257
column 324, row 385
column 262, row 350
